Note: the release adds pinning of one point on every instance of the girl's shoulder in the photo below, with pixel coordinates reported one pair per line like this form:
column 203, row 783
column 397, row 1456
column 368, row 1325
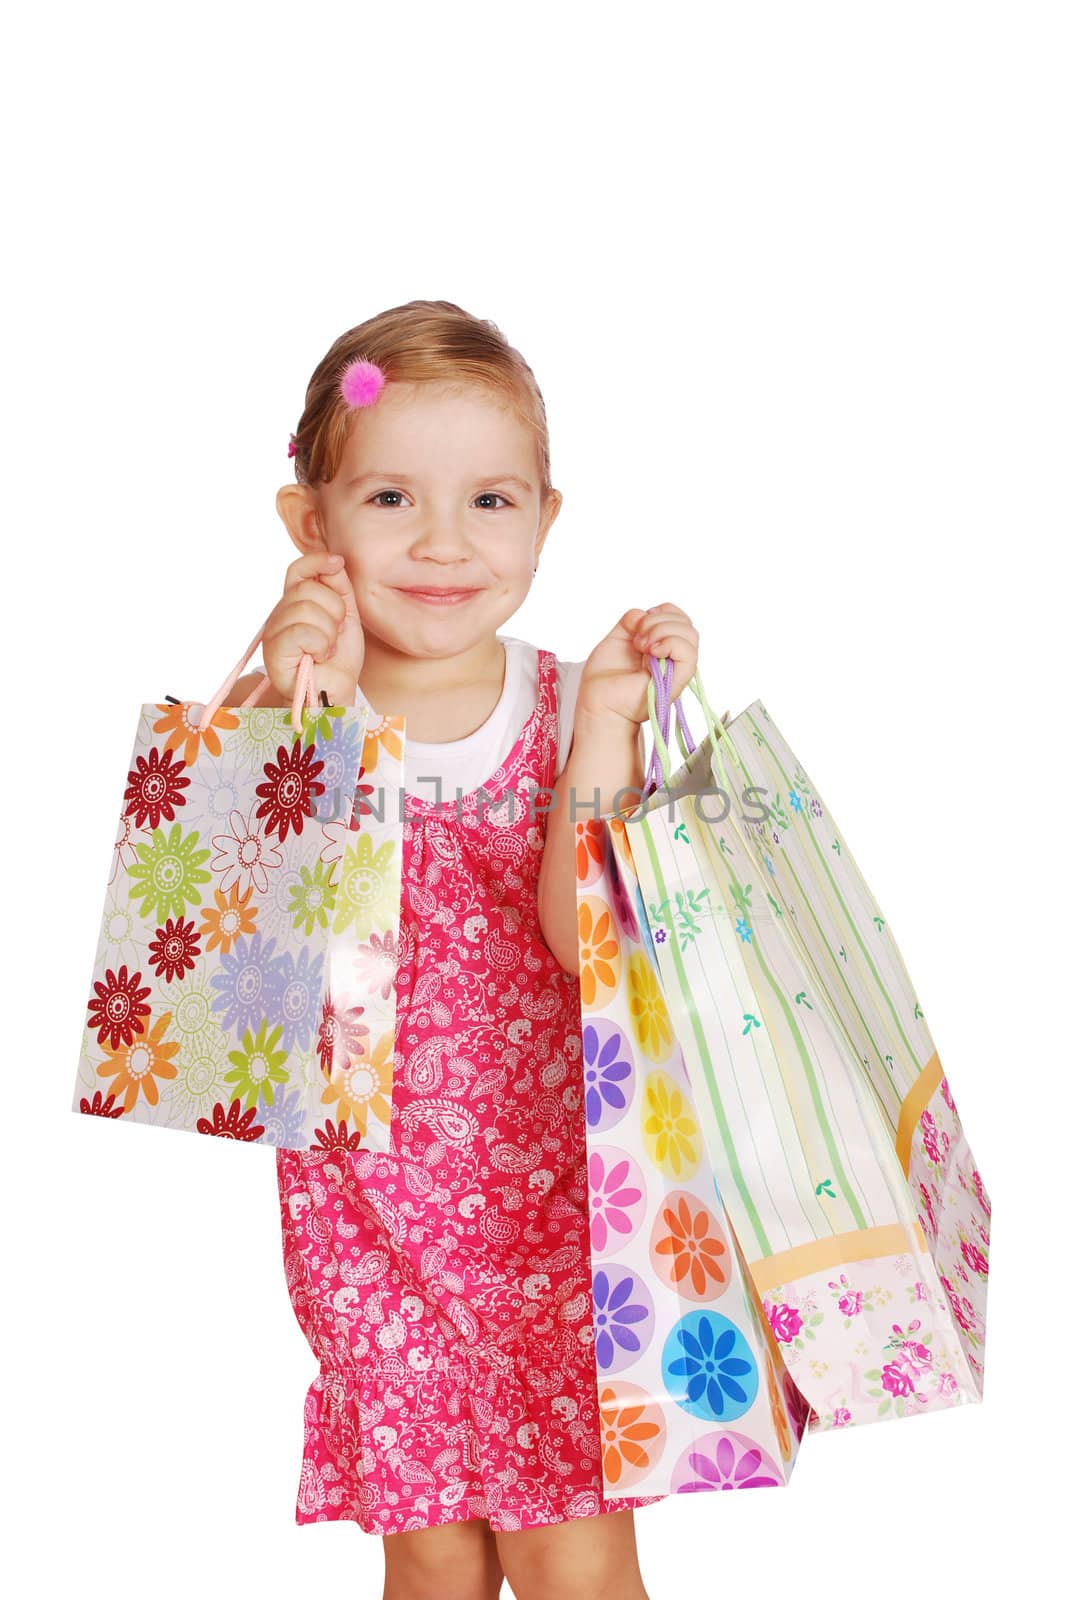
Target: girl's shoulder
column 526, row 677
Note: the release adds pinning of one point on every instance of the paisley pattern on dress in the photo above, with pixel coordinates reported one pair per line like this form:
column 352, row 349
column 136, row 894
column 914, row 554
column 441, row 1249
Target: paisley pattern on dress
column 445, row 1285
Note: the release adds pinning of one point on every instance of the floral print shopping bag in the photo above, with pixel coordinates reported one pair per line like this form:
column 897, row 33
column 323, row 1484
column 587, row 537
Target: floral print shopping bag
column 243, row 979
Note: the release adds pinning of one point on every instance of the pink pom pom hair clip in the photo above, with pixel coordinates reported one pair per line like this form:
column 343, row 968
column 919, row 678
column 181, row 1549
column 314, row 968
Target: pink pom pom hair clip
column 360, row 384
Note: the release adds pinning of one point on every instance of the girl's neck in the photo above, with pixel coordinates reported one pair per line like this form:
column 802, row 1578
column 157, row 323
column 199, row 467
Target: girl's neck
column 442, row 698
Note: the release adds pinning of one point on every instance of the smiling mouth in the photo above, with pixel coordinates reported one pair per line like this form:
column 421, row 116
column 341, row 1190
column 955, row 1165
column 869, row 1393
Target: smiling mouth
column 439, row 597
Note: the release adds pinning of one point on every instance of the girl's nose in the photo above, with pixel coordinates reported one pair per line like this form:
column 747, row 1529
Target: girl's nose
column 443, row 539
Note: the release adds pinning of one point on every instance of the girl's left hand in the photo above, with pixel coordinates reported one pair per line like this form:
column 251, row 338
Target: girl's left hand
column 616, row 674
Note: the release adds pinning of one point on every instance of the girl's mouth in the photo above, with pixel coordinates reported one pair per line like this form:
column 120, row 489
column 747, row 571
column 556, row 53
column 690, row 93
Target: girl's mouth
column 439, row 597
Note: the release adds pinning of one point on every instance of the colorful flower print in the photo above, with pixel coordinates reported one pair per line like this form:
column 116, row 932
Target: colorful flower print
column 134, row 1068
column 332, row 1137
column 365, row 1084
column 290, row 784
column 320, row 726
column 670, row 1129
column 784, row 1320
column 599, row 951
column 100, row 1106
column 258, row 1066
column 633, row 1431
column 339, row 749
column 341, row 1035
column 167, row 874
column 590, row 849
column 382, row 734
column 375, row 964
column 299, row 1005
column 609, row 1074
column 154, row 788
column 623, row 1317
column 366, row 887
column 232, row 1123
column 312, row 899
column 708, row 1367
column 689, row 1251
column 172, row 952
column 647, row 1009
column 233, row 914
column 618, row 1198
column 245, row 856
column 249, row 984
column 724, row 1460
column 184, row 732
column 117, row 1011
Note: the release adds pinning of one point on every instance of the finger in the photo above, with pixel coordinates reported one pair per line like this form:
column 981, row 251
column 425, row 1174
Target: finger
column 668, row 610
column 673, row 648
column 296, row 637
column 649, row 632
column 311, row 609
column 338, row 582
column 308, row 566
column 318, row 593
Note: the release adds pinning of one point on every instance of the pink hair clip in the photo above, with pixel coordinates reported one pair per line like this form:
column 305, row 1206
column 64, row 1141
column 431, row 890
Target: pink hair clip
column 361, row 382
column 359, row 385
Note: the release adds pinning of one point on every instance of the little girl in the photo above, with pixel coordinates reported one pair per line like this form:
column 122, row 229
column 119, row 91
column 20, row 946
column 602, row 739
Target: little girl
column 445, row 1287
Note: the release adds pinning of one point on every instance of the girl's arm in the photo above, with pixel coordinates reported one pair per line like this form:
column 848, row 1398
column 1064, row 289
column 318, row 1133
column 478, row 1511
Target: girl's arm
column 607, row 755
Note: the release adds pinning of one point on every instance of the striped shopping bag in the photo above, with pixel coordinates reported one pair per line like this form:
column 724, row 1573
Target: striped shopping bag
column 836, row 1141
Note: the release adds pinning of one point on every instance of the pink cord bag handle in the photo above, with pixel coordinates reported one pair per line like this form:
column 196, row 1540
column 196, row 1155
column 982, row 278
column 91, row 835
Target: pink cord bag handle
column 304, row 687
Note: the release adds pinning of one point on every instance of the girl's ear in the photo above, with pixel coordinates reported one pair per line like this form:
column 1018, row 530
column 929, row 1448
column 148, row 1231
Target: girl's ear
column 297, row 506
column 550, row 511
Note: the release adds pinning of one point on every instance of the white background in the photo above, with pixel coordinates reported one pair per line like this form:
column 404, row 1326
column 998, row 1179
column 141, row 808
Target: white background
column 794, row 282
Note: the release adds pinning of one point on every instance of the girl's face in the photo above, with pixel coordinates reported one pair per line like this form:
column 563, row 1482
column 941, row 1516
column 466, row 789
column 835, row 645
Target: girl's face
column 437, row 490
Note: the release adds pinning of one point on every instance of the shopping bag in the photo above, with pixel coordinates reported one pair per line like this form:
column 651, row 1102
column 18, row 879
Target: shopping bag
column 243, row 984
column 836, row 1140
column 693, row 1392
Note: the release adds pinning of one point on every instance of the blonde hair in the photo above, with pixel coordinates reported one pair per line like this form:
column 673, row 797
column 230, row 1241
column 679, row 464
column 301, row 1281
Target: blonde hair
column 425, row 341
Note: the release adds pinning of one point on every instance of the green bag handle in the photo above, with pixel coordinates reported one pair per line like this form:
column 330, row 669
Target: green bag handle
column 659, row 705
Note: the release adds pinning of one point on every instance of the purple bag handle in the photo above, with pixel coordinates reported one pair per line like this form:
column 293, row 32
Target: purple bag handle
column 659, row 690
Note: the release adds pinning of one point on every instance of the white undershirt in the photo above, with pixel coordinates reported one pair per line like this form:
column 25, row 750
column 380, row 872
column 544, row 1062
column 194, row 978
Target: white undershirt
column 462, row 765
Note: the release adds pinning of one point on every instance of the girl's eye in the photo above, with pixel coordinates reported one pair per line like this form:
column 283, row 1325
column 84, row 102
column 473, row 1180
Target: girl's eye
column 489, row 494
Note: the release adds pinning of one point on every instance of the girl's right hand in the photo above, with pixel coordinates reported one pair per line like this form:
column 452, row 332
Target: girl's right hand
column 318, row 615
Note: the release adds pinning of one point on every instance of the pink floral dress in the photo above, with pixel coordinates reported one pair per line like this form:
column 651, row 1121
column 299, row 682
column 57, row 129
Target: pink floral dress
column 445, row 1287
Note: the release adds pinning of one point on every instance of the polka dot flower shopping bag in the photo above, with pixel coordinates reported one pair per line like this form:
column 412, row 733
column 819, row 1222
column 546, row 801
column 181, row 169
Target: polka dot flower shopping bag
column 693, row 1391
